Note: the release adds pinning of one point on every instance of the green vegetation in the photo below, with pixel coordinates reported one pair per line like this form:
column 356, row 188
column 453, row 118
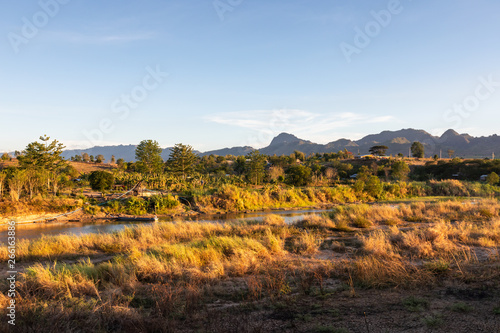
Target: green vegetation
column 148, row 155
column 228, row 183
column 101, row 180
column 417, row 150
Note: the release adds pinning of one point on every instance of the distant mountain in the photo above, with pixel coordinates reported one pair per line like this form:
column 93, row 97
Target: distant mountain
column 121, row 151
column 236, row 151
column 398, row 142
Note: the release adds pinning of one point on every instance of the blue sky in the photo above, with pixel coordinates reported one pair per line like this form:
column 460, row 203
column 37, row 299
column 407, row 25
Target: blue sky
column 225, row 73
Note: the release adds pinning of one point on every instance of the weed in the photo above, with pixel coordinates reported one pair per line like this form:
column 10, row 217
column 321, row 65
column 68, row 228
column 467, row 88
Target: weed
column 415, row 304
column 433, row 321
column 461, row 307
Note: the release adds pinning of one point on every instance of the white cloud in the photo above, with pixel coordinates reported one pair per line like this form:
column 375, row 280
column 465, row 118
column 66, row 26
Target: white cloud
column 308, row 125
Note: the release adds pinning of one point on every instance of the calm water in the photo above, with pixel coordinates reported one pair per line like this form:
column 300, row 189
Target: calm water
column 33, row 231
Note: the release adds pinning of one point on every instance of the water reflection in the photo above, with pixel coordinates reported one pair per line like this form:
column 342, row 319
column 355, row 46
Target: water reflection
column 33, row 231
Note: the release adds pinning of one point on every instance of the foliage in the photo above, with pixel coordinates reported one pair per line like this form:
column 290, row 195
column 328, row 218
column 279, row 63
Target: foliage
column 182, row 160
column 298, row 175
column 42, row 155
column 101, row 180
column 255, row 167
column 379, row 150
column 148, row 155
column 492, row 178
column 417, row 150
column 400, row 170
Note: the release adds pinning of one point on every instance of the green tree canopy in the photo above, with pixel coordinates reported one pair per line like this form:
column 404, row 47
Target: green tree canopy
column 378, row 150
column 255, row 167
column 182, row 160
column 148, row 155
column 298, row 175
column 101, row 180
column 400, row 170
column 417, row 149
column 493, row 178
column 43, row 155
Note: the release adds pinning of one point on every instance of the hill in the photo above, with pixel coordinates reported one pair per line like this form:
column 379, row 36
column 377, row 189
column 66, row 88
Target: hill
column 398, row 142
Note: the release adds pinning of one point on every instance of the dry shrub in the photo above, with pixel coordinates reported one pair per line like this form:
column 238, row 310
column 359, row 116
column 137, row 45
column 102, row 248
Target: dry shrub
column 55, row 282
column 378, row 243
column 315, row 221
column 376, row 272
column 273, row 220
column 254, row 285
column 305, row 243
column 274, row 243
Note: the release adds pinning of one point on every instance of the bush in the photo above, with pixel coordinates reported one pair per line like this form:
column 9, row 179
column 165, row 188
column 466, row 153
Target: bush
column 101, row 180
column 159, row 204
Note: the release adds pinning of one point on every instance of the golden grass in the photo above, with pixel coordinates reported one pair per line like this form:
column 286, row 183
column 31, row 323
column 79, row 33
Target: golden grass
column 168, row 271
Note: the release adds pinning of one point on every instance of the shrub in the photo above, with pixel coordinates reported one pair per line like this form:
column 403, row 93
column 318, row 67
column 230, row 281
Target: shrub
column 101, row 180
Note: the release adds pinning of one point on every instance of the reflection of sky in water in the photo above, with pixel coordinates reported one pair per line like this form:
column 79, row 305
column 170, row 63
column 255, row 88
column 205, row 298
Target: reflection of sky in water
column 33, row 231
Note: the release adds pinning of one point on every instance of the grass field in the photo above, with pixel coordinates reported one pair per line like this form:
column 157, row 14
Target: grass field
column 359, row 268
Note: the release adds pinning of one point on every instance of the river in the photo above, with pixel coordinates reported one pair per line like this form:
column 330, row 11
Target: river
column 37, row 230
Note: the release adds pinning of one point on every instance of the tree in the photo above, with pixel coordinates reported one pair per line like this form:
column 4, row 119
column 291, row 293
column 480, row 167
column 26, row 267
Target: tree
column 85, row 157
column 275, row 172
column 417, row 149
column 91, row 158
column 298, row 175
column 101, row 180
column 99, row 158
column 331, row 173
column 148, row 155
column 182, row 160
column 120, row 162
column 113, row 160
column 400, row 170
column 16, row 184
column 299, row 155
column 374, row 187
column 3, row 175
column 492, row 178
column 5, row 157
column 378, row 150
column 43, row 155
column 255, row 167
column 451, row 152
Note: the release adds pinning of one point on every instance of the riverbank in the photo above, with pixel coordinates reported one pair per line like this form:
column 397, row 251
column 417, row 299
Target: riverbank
column 412, row 267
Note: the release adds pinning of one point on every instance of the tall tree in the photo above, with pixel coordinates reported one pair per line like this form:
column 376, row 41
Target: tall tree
column 417, row 149
column 256, row 167
column 182, row 160
column 43, row 155
column 3, row 175
column 148, row 155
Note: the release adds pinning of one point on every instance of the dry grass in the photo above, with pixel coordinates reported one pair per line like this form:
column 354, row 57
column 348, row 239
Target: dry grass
column 168, row 273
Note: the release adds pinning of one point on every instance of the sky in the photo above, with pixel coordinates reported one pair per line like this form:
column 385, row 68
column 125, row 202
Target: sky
column 224, row 73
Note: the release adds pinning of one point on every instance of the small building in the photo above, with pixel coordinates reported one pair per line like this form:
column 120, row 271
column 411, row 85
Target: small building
column 483, row 178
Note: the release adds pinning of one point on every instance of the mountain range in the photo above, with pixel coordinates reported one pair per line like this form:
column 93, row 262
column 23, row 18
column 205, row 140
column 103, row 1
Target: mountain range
column 400, row 141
